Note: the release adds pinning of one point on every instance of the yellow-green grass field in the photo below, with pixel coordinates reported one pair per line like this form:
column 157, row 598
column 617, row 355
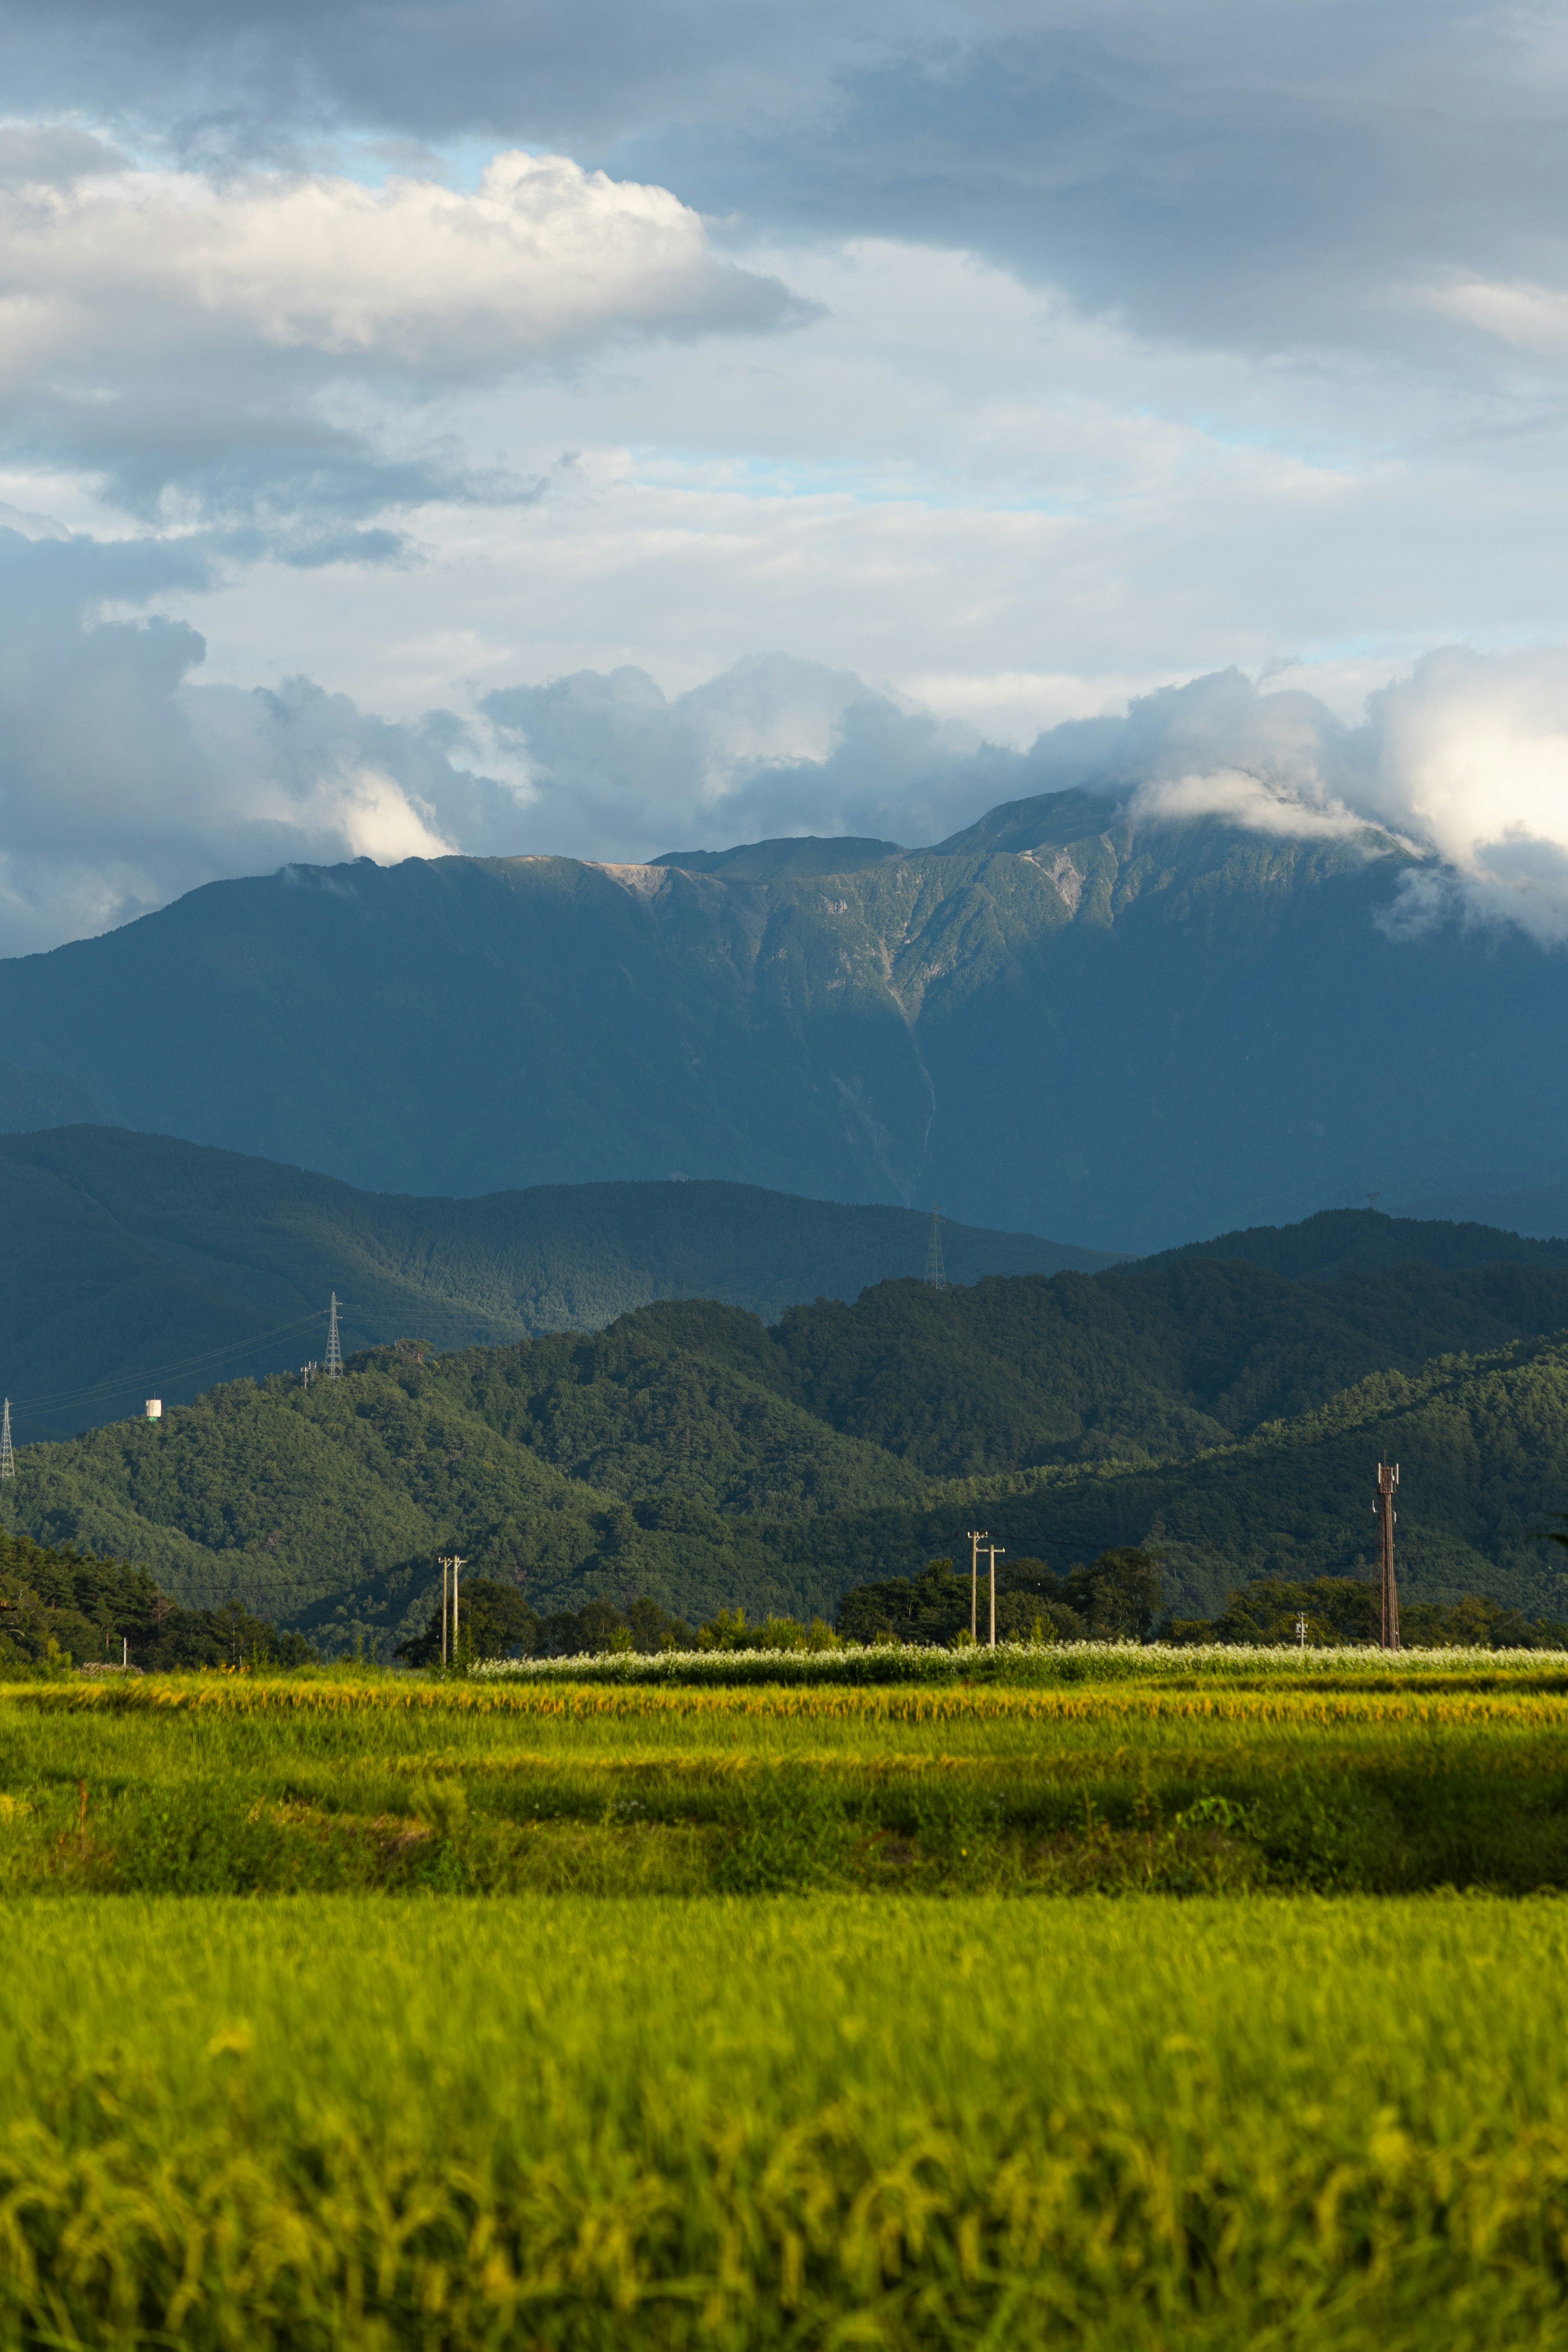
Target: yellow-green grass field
column 221, row 1784
column 370, row 2011
column 1256, row 2121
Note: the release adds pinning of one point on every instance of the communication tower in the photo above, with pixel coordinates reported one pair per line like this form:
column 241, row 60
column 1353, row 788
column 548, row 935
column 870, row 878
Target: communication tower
column 936, row 1272
column 1388, row 1481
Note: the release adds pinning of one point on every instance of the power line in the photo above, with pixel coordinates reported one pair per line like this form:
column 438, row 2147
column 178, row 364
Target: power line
column 118, row 1385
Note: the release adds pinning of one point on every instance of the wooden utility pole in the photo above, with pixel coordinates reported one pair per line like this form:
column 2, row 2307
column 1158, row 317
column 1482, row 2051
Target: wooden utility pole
column 995, row 1549
column 975, row 1539
column 450, row 1564
column 1388, row 1481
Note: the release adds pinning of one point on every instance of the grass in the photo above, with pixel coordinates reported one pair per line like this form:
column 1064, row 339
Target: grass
column 221, row 1785
column 1032, row 1663
column 774, row 2028
column 1341, row 2124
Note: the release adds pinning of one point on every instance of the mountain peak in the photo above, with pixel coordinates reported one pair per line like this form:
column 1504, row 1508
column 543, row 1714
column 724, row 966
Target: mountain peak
column 797, row 854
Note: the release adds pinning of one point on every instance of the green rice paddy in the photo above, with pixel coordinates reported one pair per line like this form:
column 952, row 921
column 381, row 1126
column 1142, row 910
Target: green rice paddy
column 371, row 2012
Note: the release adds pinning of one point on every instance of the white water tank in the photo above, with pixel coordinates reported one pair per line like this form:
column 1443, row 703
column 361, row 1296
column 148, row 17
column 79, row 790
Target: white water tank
column 154, row 1408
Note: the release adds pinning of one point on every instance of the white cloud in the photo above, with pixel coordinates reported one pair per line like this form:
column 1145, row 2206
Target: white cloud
column 1465, row 759
column 1473, row 758
column 773, row 746
column 123, row 783
column 124, row 780
column 1246, row 801
column 118, row 269
column 1532, row 318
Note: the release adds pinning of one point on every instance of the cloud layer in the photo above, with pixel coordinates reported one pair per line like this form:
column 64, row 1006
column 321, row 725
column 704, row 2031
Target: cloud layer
column 126, row 780
column 123, row 783
column 1258, row 176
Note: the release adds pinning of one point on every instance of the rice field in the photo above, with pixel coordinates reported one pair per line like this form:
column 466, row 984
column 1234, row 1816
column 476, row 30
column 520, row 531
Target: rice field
column 227, row 1784
column 619, row 2124
column 356, row 2010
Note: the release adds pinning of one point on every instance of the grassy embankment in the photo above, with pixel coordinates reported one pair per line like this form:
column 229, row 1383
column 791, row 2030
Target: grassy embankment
column 1358, row 1782
column 1339, row 2126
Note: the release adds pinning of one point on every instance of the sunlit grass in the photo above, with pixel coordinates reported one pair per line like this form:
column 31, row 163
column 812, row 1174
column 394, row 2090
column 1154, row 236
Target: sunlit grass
column 737, row 2124
column 229, row 1785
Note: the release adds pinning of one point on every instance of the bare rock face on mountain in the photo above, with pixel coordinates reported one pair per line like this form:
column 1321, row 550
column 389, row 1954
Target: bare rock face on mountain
column 1064, row 1020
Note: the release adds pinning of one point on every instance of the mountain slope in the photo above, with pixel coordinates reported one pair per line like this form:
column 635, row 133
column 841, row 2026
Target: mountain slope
column 1225, row 1412
column 1338, row 1244
column 1068, row 1019
column 1482, row 1445
column 137, row 1265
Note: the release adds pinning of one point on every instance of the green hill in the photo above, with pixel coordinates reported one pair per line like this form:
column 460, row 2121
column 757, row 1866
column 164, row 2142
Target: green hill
column 136, row 1265
column 1339, row 1242
column 1482, row 1443
column 1227, row 1413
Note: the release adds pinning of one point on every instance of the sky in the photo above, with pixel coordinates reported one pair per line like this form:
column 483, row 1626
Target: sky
column 509, row 425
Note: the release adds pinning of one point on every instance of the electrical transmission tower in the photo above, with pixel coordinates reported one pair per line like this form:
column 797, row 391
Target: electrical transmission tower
column 7, row 1459
column 1387, row 1480
column 936, row 1273
column 333, row 1366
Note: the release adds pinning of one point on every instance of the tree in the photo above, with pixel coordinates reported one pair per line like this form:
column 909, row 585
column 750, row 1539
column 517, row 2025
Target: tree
column 1119, row 1594
column 929, row 1608
column 1266, row 1609
column 587, row 1631
column 493, row 1622
column 653, row 1628
column 1025, row 1617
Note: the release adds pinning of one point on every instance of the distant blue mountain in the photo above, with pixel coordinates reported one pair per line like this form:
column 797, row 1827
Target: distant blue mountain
column 1063, row 1019
column 137, row 1265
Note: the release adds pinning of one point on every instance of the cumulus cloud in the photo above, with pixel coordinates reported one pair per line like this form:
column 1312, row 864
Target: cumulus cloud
column 1472, row 757
column 124, row 782
column 163, row 327
column 544, row 258
column 1465, row 761
column 125, row 779
column 773, row 746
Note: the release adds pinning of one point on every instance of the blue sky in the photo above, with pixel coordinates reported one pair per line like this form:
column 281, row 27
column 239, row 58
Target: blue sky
column 601, row 428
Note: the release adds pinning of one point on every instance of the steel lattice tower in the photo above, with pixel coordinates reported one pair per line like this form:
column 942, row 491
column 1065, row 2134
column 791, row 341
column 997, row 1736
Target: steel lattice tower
column 7, row 1459
column 333, row 1366
column 936, row 1273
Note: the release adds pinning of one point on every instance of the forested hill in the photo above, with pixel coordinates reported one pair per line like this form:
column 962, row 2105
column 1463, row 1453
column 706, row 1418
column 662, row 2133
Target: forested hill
column 137, row 1265
column 1339, row 1243
column 1225, row 1414
column 1071, row 1019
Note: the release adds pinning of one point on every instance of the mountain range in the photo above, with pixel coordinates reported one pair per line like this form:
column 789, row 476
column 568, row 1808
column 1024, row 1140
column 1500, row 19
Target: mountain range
column 1071, row 1018
column 137, row 1265
column 1226, row 1410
